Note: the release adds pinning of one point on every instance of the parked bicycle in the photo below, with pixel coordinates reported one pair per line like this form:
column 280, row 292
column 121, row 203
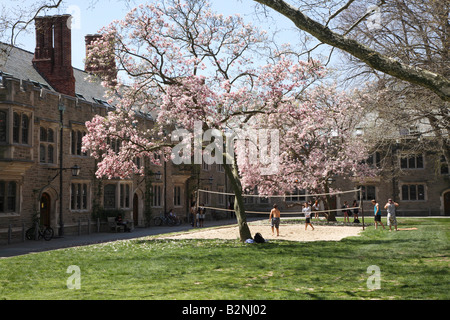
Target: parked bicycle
column 42, row 232
column 166, row 220
column 176, row 221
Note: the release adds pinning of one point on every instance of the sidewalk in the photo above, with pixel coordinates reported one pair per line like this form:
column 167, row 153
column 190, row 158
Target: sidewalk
column 31, row 246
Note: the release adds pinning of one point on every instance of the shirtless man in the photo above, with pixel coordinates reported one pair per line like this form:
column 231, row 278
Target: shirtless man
column 274, row 219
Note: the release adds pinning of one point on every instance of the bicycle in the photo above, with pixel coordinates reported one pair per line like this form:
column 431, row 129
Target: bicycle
column 162, row 219
column 43, row 232
column 176, row 221
column 166, row 220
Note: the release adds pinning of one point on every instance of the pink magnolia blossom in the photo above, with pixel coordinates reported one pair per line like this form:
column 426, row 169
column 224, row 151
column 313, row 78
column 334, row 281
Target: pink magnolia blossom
column 318, row 143
column 211, row 78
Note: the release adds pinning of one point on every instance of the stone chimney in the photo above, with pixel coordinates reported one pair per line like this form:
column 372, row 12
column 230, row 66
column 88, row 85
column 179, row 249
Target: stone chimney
column 106, row 68
column 53, row 53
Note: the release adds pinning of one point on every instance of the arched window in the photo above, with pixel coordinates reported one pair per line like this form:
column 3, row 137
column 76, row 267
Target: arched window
column 51, row 152
column 8, row 196
column 76, row 143
column 43, row 134
column 25, row 128
column 47, row 146
column 16, row 127
column 109, row 196
column 42, row 154
column 21, row 128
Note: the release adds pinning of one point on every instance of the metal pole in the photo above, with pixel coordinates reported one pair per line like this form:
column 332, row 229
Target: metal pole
column 165, row 187
column 198, row 200
column 61, row 143
column 9, row 233
column 361, row 204
column 196, row 208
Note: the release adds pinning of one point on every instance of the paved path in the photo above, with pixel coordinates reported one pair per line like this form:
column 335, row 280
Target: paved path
column 30, row 246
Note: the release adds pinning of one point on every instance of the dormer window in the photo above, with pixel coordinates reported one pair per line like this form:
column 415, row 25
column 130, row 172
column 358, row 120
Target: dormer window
column 80, row 96
column 102, row 102
column 39, row 85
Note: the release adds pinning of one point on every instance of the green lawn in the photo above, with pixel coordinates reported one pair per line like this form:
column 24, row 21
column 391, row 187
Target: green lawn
column 413, row 265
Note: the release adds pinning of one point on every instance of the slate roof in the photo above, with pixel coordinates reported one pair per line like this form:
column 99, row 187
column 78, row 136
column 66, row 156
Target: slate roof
column 17, row 63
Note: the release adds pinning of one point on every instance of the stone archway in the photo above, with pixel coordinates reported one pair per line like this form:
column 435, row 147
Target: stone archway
column 48, row 203
column 45, row 209
column 446, row 201
column 138, row 209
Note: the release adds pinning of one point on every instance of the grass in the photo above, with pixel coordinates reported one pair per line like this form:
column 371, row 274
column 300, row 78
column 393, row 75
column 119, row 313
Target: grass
column 413, row 265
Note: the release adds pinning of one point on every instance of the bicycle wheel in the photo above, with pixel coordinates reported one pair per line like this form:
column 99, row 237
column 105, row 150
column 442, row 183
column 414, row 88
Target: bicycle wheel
column 48, row 234
column 157, row 221
column 29, row 234
column 40, row 233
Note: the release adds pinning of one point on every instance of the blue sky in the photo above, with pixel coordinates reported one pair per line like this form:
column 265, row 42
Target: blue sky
column 95, row 14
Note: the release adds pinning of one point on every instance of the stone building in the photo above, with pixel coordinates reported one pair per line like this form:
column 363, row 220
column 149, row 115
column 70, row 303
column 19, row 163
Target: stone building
column 418, row 181
column 44, row 104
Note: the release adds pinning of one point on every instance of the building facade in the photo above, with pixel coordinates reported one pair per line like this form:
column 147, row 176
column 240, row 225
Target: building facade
column 44, row 105
column 418, row 181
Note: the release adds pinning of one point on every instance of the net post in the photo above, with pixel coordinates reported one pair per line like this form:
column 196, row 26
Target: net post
column 197, row 200
column 361, row 203
column 197, row 204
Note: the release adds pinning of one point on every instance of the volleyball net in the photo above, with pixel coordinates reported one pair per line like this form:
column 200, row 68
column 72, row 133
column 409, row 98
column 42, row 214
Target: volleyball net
column 262, row 204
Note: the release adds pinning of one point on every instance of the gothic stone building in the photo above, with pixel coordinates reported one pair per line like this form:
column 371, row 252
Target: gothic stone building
column 44, row 105
column 418, row 181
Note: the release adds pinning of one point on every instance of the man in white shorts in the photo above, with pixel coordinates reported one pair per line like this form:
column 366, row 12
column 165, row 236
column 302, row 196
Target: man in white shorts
column 391, row 218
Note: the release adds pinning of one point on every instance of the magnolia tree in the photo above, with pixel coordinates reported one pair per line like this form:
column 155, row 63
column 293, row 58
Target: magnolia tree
column 319, row 143
column 196, row 71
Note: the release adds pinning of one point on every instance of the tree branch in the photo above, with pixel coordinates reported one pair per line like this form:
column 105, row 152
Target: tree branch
column 427, row 79
column 26, row 23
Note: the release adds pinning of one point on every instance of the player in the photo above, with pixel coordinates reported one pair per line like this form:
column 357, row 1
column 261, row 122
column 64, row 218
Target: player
column 307, row 211
column 274, row 219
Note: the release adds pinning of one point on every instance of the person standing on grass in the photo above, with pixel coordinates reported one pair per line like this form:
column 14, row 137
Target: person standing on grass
column 315, row 208
column 274, row 219
column 355, row 211
column 391, row 219
column 197, row 217
column 307, row 211
column 377, row 214
column 201, row 216
column 193, row 216
column 345, row 211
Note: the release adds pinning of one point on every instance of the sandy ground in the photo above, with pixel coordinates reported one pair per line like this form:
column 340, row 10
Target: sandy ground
column 287, row 232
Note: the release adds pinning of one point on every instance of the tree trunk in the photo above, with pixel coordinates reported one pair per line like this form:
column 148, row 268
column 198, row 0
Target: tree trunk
column 331, row 214
column 233, row 174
